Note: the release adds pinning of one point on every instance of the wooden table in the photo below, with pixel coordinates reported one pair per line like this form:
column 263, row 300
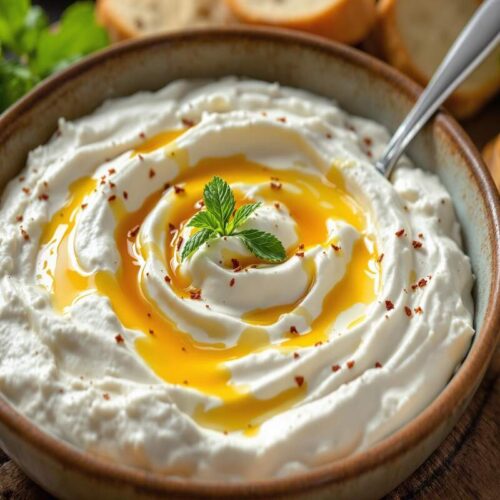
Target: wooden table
column 467, row 464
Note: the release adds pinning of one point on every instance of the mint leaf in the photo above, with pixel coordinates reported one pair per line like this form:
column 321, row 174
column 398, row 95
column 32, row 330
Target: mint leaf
column 15, row 81
column 196, row 241
column 219, row 200
column 264, row 245
column 242, row 214
column 35, row 23
column 77, row 35
column 204, row 220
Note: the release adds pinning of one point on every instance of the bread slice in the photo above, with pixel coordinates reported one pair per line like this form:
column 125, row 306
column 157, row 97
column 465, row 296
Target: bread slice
column 134, row 18
column 347, row 21
column 415, row 35
column 491, row 155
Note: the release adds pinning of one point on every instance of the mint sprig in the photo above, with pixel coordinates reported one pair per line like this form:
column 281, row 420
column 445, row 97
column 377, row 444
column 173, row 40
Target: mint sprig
column 217, row 220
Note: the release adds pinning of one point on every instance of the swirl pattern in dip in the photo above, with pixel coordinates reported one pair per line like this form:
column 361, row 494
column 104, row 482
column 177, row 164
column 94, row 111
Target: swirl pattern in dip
column 223, row 366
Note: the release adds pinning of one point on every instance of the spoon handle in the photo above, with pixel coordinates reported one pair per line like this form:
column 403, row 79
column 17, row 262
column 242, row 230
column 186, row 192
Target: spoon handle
column 474, row 43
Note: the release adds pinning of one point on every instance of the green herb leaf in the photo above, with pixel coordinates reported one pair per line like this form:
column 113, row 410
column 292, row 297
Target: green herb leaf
column 35, row 23
column 204, row 220
column 196, row 241
column 15, row 81
column 264, row 245
column 77, row 35
column 219, row 200
column 12, row 16
column 241, row 215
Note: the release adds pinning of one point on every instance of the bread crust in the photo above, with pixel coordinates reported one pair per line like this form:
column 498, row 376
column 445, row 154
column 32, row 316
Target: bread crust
column 347, row 21
column 388, row 43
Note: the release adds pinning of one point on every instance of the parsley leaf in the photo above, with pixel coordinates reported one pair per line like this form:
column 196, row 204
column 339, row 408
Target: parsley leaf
column 15, row 81
column 219, row 200
column 196, row 241
column 264, row 245
column 215, row 221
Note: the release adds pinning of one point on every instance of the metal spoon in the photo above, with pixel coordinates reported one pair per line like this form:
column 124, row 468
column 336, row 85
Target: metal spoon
column 477, row 40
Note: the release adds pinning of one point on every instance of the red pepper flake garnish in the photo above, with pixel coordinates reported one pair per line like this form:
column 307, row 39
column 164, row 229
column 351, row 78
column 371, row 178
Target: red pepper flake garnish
column 335, row 368
column 19, row 218
column 414, row 287
column 408, row 311
column 422, row 282
column 112, row 198
column 152, row 173
column 195, row 294
column 235, row 263
column 179, row 242
column 26, row 190
column 188, row 122
column 238, row 269
column 300, row 254
column 142, row 135
column 151, row 332
column 389, row 305
column 293, row 330
column 141, row 158
column 133, row 232
column 421, row 236
column 296, row 355
column 25, row 234
column 125, row 195
column 328, row 135
column 112, row 185
column 167, row 279
column 317, row 344
column 350, row 364
column 119, row 339
column 301, row 246
column 84, row 205
column 400, row 233
column 381, row 258
column 368, row 141
column 418, row 310
column 22, row 178
column 232, row 282
column 183, row 349
column 179, row 189
column 276, row 185
column 416, row 244
column 378, row 365
column 171, row 228
column 336, row 248
column 299, row 380
column 106, row 396
column 282, row 119
column 111, row 171
column 277, row 205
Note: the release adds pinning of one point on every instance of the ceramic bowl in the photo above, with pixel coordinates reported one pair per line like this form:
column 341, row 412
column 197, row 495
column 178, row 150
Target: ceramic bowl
column 361, row 85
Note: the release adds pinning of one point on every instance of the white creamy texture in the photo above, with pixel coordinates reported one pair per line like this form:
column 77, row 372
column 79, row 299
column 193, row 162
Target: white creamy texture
column 55, row 368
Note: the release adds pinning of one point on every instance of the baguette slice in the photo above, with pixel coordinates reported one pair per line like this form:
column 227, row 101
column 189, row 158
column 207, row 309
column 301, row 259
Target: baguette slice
column 491, row 155
column 347, row 21
column 133, row 18
column 415, row 35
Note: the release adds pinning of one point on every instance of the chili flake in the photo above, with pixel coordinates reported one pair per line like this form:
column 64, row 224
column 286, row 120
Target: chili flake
column 416, row 244
column 422, row 283
column 133, row 232
column 152, row 173
column 232, row 282
column 418, row 310
column 26, row 190
column 25, row 234
column 335, row 368
column 188, row 122
column 381, row 258
column 296, row 355
column 106, row 396
column 112, row 198
column 84, row 205
column 167, row 279
column 179, row 189
column 125, row 195
column 195, row 294
column 19, row 218
column 408, row 311
column 276, row 185
column 350, row 364
column 336, row 247
column 111, row 171
column 235, row 263
column 299, row 380
column 400, row 233
column 119, row 339
column 293, row 329
column 389, row 305
column 378, row 365
column 300, row 254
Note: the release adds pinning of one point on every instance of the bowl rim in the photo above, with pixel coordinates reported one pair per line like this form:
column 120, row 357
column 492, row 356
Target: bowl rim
column 460, row 387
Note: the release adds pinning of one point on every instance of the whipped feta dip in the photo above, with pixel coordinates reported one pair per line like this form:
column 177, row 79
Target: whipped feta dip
column 220, row 366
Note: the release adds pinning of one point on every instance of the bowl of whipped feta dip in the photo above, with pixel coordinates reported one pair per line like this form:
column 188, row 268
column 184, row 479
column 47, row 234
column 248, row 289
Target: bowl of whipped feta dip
column 206, row 288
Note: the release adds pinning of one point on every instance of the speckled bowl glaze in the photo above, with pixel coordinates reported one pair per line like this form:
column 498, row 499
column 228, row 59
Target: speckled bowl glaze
column 362, row 86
